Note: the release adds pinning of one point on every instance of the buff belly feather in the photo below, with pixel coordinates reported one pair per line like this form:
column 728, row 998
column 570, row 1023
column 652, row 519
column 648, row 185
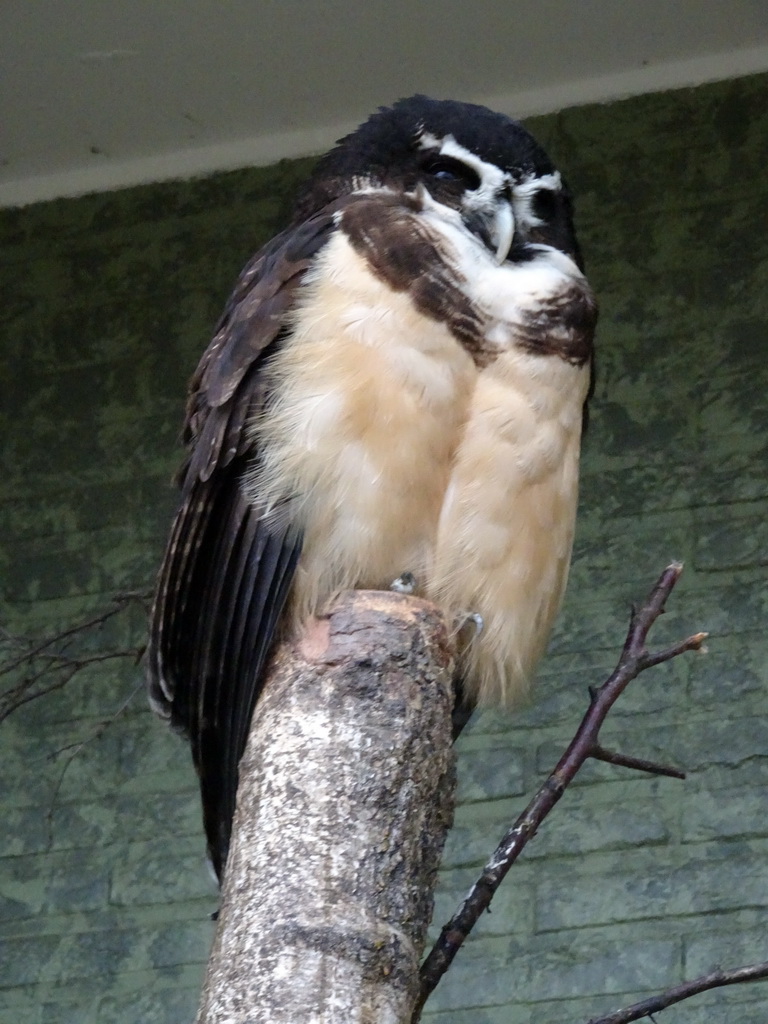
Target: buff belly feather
column 392, row 451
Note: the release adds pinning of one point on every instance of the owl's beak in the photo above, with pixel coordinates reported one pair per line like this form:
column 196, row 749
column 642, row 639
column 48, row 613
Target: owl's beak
column 495, row 228
column 503, row 229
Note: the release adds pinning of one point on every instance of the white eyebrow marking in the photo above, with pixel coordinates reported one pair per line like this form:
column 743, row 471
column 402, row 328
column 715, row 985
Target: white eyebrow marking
column 492, row 178
column 523, row 194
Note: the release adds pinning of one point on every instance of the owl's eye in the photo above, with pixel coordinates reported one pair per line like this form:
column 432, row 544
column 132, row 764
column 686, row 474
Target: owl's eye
column 546, row 204
column 447, row 169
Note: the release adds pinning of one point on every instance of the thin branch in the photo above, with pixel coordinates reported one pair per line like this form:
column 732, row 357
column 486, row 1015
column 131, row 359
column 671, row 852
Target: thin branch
column 634, row 659
column 118, row 603
column 691, row 643
column 599, row 753
column 716, row 979
column 50, row 663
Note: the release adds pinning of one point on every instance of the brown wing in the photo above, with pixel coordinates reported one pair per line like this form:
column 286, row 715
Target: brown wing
column 226, row 573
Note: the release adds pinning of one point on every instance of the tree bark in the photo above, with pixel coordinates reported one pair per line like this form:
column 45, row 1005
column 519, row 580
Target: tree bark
column 345, row 798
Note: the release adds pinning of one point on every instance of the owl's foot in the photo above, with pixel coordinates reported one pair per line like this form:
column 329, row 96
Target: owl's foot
column 404, row 584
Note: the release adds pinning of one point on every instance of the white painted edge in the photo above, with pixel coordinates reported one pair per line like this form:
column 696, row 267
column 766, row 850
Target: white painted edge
column 260, row 151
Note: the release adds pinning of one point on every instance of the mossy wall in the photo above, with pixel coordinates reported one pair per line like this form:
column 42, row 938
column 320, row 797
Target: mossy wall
column 634, row 883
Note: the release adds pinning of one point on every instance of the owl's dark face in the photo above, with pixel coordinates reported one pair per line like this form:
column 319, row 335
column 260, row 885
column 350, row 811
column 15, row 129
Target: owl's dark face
column 480, row 164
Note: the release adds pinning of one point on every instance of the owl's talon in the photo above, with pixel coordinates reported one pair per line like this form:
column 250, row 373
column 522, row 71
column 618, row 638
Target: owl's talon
column 469, row 620
column 404, row 584
column 479, row 622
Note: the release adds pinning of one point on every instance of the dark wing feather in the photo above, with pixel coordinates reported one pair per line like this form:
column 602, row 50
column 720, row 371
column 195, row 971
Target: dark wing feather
column 226, row 573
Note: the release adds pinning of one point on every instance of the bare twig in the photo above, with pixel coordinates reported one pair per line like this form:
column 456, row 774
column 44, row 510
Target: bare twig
column 50, row 663
column 599, row 753
column 634, row 659
column 716, row 979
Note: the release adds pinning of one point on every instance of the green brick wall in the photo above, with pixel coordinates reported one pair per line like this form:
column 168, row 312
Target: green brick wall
column 633, row 883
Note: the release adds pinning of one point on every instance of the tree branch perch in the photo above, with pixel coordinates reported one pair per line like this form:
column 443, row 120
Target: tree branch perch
column 344, row 800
